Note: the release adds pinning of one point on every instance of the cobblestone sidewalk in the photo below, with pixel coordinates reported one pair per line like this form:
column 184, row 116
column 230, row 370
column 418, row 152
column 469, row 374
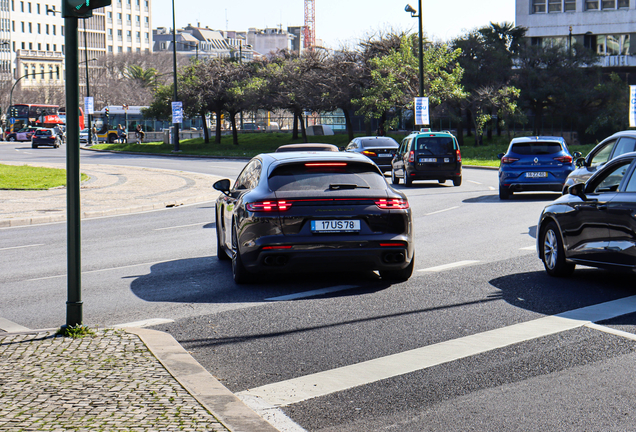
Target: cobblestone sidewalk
column 109, row 382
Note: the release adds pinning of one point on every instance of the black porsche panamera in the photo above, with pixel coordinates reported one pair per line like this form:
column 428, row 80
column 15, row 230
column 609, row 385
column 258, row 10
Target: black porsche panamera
column 315, row 212
column 594, row 224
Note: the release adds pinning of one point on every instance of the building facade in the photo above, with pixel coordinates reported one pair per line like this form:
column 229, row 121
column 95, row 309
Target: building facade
column 32, row 37
column 605, row 26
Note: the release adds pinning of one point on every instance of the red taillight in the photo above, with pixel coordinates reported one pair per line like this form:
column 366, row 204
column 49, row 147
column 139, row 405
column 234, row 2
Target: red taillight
column 326, row 164
column 268, row 206
column 276, row 247
column 508, row 159
column 412, row 156
column 391, row 244
column 369, row 153
column 458, row 155
column 564, row 159
column 389, row 204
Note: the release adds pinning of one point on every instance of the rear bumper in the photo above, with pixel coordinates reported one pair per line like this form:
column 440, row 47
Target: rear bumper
column 447, row 174
column 360, row 255
column 533, row 187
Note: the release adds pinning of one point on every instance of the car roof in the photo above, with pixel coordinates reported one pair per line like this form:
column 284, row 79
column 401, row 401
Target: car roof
column 314, row 156
column 537, row 139
column 307, row 146
column 431, row 133
column 628, row 133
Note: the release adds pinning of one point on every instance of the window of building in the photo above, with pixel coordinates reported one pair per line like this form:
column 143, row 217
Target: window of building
column 33, row 71
column 609, row 4
column 39, row 46
column 48, row 47
column 120, row 49
column 57, row 72
column 30, row 27
column 50, row 72
column 110, row 48
column 47, row 29
column 38, row 7
column 538, row 6
column 29, row 7
column 30, row 45
column 23, row 45
column 39, row 28
column 26, row 71
column 128, row 18
column 569, row 5
column 54, row 47
column 13, row 24
column 12, row 5
column 21, row 6
column 554, row 6
column 613, row 45
column 623, row 4
column 22, row 26
column 591, row 5
column 53, row 28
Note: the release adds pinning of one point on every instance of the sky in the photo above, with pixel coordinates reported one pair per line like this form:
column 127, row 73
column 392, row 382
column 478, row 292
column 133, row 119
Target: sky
column 337, row 22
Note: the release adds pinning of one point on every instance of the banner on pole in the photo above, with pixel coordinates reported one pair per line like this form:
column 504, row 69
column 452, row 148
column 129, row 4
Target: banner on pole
column 177, row 112
column 421, row 111
column 88, row 105
column 632, row 106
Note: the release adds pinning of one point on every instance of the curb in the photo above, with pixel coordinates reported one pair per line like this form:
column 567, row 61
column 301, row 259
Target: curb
column 9, row 223
column 176, row 154
column 206, row 389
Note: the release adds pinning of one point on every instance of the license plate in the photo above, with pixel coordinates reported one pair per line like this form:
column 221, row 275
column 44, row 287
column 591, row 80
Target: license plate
column 424, row 160
column 385, row 155
column 333, row 226
column 533, row 174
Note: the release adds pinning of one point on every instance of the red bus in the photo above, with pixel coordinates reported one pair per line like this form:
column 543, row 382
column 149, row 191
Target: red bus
column 38, row 115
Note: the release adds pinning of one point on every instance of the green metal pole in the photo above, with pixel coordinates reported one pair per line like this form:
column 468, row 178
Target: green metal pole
column 174, row 70
column 74, row 281
column 419, row 10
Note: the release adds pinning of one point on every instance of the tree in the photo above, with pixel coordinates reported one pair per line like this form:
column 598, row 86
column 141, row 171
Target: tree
column 395, row 78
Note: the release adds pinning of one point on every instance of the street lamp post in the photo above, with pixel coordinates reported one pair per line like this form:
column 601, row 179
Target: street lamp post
column 174, row 70
column 418, row 14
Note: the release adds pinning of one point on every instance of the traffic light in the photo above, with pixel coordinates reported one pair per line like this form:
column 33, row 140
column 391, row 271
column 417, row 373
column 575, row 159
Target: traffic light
column 106, row 111
column 81, row 8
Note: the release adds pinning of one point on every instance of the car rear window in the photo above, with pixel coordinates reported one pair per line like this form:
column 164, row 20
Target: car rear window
column 380, row 142
column 435, row 145
column 536, row 148
column 323, row 176
column 43, row 132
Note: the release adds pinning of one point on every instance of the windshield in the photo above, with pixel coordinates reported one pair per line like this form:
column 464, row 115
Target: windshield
column 436, row 145
column 536, row 148
column 325, row 176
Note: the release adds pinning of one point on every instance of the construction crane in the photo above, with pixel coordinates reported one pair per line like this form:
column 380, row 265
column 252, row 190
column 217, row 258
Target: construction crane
column 309, row 31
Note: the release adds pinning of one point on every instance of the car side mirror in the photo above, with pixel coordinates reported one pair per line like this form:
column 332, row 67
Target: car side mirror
column 222, row 186
column 577, row 154
column 580, row 162
column 500, row 155
column 578, row 190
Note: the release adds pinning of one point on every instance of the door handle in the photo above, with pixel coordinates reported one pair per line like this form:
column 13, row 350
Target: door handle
column 602, row 206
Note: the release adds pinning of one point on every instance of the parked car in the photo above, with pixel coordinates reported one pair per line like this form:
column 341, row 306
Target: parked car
column 380, row 150
column 320, row 212
column 426, row 155
column 307, row 147
column 45, row 137
column 539, row 163
column 611, row 147
column 251, row 126
column 593, row 224
column 23, row 134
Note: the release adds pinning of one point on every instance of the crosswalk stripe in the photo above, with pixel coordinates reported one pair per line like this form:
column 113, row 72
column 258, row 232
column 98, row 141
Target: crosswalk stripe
column 323, row 383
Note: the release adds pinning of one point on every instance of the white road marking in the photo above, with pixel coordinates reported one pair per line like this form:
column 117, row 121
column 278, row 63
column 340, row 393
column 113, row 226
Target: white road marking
column 312, row 293
column 11, row 327
column 181, row 226
column 605, row 329
column 273, row 415
column 474, row 182
column 529, row 248
column 441, row 211
column 323, row 383
column 145, row 323
column 97, row 271
column 449, row 266
column 20, row 247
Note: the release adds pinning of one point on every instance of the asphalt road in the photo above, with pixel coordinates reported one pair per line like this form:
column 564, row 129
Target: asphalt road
column 473, row 341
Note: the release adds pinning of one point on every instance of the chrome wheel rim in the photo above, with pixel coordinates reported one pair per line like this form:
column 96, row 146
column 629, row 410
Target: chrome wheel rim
column 550, row 249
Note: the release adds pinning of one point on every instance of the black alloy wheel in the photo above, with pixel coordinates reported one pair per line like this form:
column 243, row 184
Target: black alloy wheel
column 239, row 273
column 553, row 253
column 457, row 181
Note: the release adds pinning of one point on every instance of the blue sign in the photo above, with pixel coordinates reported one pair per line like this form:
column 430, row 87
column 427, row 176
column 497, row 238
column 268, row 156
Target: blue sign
column 12, row 120
column 421, row 111
column 177, row 112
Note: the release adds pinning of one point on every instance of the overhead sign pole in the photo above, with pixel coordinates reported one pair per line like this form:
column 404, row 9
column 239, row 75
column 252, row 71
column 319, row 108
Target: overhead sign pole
column 71, row 11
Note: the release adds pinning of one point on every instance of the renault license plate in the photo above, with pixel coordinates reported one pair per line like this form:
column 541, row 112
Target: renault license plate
column 335, row 226
column 533, row 174
column 425, row 160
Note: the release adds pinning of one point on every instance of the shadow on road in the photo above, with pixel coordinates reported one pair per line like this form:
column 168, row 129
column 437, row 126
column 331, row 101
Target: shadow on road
column 522, row 197
column 208, row 280
column 538, row 292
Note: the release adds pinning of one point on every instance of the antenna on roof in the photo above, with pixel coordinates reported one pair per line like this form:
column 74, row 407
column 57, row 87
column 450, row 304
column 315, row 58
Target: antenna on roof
column 226, row 22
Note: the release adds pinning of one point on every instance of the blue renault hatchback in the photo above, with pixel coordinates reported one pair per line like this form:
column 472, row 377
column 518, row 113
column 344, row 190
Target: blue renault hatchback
column 540, row 163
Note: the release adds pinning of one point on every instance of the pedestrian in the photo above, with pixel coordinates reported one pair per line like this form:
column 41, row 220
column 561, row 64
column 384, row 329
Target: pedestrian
column 140, row 134
column 121, row 134
column 124, row 134
column 94, row 135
